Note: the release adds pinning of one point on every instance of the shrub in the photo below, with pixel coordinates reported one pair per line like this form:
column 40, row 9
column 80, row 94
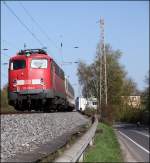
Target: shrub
column 90, row 112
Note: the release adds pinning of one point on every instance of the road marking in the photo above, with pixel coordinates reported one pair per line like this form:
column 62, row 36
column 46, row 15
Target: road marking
column 134, row 142
column 144, row 134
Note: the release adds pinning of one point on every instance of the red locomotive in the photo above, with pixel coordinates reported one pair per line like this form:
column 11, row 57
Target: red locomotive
column 36, row 82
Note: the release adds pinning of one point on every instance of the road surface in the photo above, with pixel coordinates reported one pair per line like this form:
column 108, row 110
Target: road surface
column 134, row 142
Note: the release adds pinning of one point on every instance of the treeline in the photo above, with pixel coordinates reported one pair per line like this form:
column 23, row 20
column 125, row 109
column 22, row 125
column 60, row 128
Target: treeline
column 5, row 107
column 119, row 86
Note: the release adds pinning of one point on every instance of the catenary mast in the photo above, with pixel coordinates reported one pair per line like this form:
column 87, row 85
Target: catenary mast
column 102, row 67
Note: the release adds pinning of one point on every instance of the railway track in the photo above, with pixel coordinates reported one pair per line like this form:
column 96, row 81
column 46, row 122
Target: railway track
column 29, row 136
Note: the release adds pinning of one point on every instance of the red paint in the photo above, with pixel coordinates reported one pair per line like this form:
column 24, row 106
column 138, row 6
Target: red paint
column 28, row 74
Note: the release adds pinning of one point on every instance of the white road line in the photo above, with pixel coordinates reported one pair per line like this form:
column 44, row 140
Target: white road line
column 134, row 142
column 144, row 134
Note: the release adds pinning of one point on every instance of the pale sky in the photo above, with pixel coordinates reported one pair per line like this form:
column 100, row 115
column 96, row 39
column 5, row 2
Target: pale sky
column 74, row 24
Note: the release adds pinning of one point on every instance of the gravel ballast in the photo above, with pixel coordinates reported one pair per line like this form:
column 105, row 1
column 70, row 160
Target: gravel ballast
column 25, row 133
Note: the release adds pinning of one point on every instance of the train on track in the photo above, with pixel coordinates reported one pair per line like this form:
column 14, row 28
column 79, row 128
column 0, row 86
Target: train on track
column 36, row 82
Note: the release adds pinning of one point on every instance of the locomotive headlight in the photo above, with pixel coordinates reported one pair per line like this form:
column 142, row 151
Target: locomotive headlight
column 27, row 54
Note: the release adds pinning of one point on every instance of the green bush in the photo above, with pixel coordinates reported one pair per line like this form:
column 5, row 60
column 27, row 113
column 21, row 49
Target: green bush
column 133, row 115
column 90, row 112
column 5, row 107
column 108, row 114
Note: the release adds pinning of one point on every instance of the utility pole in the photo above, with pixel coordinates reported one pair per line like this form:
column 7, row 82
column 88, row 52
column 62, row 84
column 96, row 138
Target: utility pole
column 102, row 68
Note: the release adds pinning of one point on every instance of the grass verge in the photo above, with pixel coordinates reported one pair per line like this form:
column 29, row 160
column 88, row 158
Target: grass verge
column 106, row 147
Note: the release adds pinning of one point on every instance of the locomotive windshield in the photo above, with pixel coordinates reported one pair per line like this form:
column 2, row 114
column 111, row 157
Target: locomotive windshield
column 17, row 64
column 39, row 63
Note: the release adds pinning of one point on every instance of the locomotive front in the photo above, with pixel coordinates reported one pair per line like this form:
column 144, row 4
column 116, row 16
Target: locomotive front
column 29, row 79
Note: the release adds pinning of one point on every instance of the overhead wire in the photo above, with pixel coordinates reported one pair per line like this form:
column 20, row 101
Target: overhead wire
column 3, row 74
column 4, row 59
column 10, row 43
column 23, row 24
column 40, row 28
column 4, row 53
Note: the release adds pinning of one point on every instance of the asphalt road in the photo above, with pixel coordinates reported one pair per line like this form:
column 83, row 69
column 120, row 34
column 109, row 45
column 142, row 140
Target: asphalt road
column 134, row 142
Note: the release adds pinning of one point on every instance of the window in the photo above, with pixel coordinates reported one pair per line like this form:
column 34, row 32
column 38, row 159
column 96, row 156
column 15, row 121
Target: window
column 59, row 71
column 17, row 64
column 56, row 69
column 39, row 63
column 62, row 74
column 133, row 98
column 70, row 89
column 94, row 103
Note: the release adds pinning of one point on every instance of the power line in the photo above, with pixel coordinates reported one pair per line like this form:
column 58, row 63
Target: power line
column 4, row 54
column 3, row 74
column 40, row 28
column 10, row 43
column 25, row 26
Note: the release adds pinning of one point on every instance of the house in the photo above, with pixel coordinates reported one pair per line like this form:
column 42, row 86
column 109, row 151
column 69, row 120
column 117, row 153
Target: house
column 84, row 103
column 133, row 101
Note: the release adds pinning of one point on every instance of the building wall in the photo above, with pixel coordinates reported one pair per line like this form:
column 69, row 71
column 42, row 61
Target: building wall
column 133, row 101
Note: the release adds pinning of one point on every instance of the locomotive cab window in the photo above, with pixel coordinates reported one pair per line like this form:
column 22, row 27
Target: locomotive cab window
column 17, row 64
column 39, row 63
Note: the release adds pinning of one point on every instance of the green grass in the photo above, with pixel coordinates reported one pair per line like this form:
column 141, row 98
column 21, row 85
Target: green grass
column 7, row 109
column 106, row 147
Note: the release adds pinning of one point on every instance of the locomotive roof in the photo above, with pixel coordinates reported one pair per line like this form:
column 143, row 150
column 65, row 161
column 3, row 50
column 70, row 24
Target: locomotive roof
column 25, row 57
column 36, row 54
column 32, row 51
